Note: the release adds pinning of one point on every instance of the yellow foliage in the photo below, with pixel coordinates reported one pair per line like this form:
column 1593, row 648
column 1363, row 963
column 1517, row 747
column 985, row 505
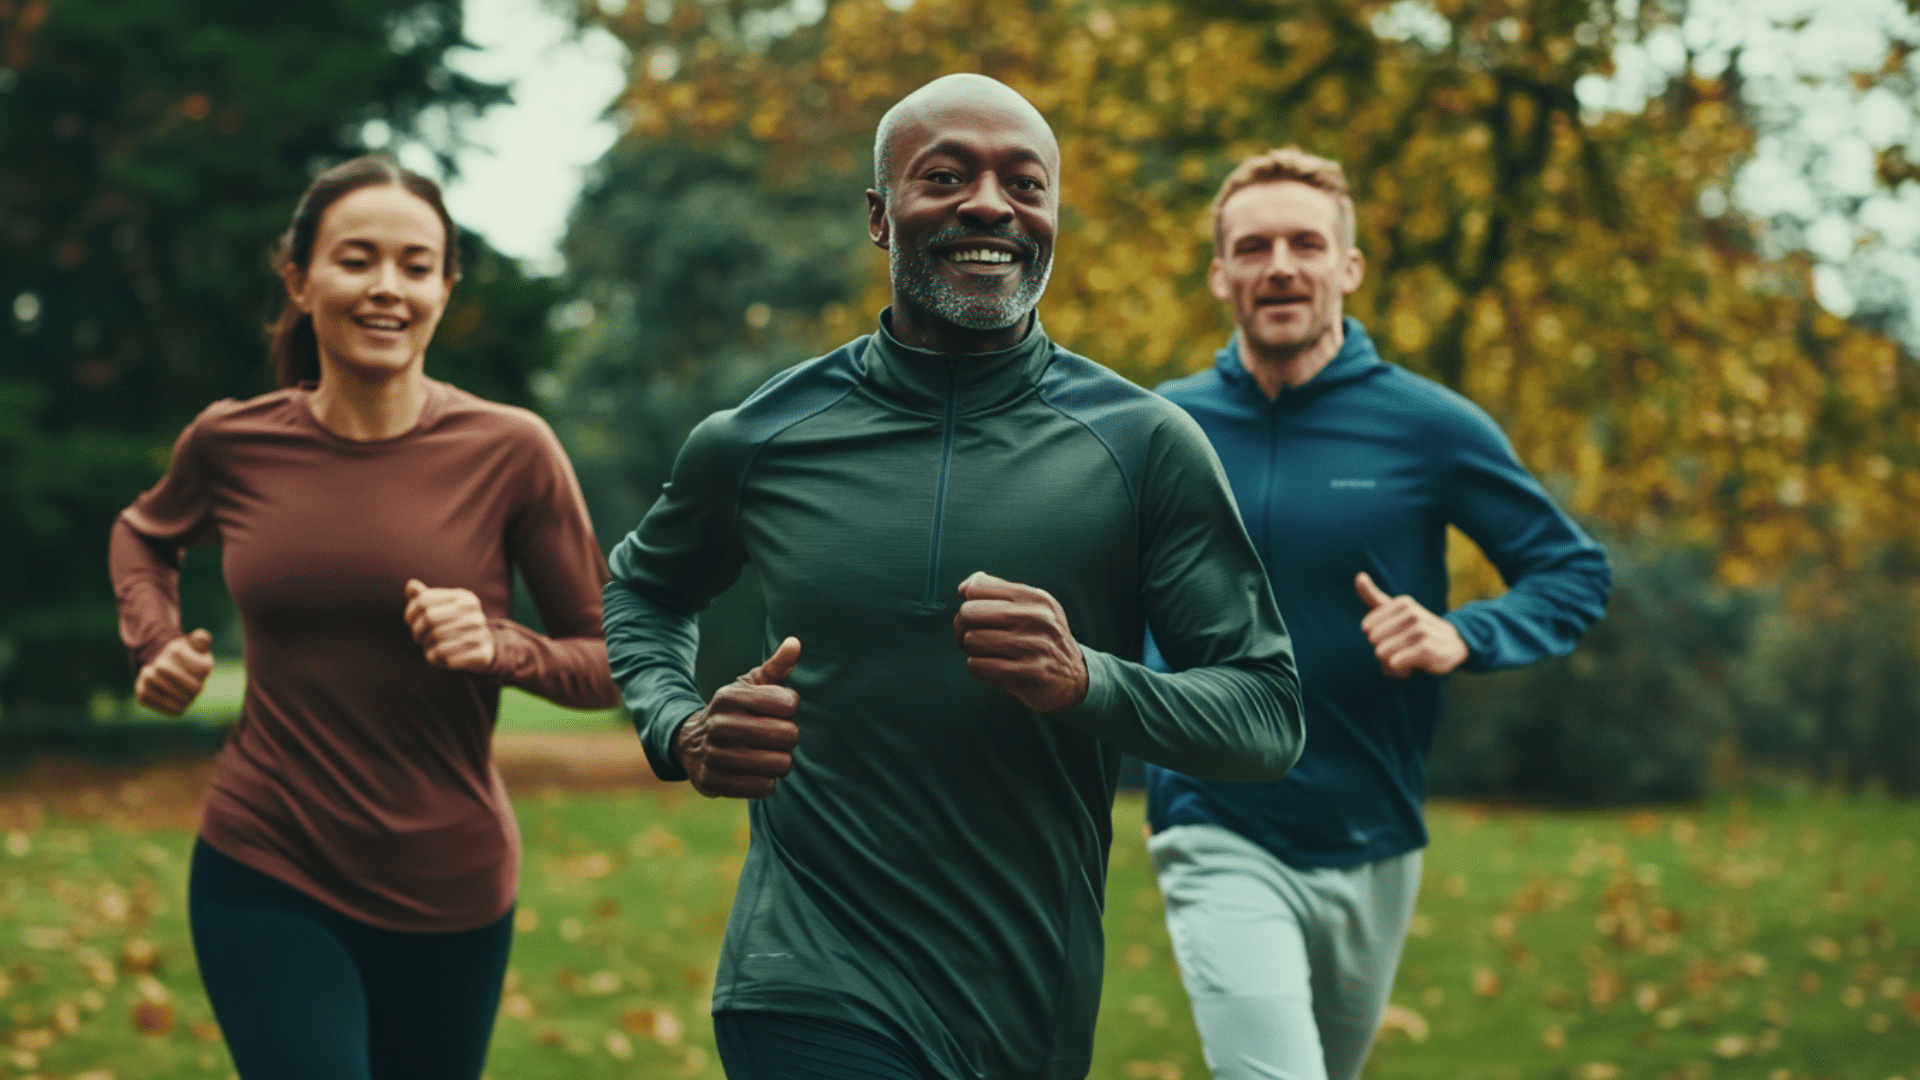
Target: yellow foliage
column 1552, row 266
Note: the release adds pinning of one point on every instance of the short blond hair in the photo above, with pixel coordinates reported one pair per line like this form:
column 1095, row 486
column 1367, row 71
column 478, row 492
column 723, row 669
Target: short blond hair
column 1290, row 163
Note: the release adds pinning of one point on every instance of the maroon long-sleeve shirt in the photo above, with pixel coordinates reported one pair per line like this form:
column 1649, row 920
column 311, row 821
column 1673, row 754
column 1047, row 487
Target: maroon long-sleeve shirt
column 359, row 773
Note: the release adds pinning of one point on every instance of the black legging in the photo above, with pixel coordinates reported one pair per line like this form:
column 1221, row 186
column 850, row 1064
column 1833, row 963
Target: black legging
column 302, row 991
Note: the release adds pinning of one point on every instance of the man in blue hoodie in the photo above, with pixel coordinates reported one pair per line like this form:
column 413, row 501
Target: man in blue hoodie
column 1288, row 901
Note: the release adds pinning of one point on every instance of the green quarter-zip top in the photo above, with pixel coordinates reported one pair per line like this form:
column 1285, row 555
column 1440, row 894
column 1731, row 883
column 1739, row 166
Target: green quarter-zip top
column 934, row 864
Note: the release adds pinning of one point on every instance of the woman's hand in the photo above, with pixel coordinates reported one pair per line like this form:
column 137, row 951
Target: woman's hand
column 450, row 626
column 169, row 682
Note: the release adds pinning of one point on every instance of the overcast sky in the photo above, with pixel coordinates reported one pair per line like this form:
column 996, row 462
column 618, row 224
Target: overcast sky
column 519, row 181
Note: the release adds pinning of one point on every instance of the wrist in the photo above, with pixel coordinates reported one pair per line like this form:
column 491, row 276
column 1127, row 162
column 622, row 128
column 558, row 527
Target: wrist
column 683, row 734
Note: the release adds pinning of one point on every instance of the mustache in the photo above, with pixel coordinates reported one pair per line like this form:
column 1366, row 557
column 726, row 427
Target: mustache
column 1005, row 233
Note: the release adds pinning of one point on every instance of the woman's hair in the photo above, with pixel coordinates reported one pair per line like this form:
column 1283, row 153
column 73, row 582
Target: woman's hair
column 291, row 342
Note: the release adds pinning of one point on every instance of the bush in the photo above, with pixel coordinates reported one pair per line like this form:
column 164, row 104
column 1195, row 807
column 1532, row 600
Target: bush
column 1687, row 685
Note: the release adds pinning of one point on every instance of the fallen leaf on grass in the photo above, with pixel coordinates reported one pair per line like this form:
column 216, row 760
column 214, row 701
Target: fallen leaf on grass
column 66, row 1018
column 138, row 956
column 518, row 1006
column 653, row 1023
column 1598, row 1070
column 1732, row 1045
column 97, row 967
column 1554, row 1038
column 1404, row 1020
column 619, row 1046
column 34, row 1039
column 205, row 1031
column 1486, row 983
column 45, row 937
column 153, row 1017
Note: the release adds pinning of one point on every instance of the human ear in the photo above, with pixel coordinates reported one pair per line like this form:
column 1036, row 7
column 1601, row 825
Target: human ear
column 879, row 229
column 295, row 280
column 1217, row 282
column 1354, row 271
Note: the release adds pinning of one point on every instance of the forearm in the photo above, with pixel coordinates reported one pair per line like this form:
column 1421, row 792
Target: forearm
column 1543, row 615
column 651, row 651
column 570, row 671
column 146, row 588
column 1227, row 722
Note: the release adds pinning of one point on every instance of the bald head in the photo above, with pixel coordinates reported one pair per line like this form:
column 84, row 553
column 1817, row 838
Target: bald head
column 976, row 95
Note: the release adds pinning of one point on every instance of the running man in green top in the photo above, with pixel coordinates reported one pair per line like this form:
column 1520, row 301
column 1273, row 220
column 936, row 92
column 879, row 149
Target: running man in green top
column 962, row 531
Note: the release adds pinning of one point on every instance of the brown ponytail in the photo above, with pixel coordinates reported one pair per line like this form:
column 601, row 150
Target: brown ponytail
column 290, row 339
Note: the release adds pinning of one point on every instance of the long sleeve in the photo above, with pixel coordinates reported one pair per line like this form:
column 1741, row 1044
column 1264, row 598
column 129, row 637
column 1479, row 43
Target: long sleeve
column 1557, row 576
column 683, row 554
column 1231, row 708
column 554, row 547
column 143, row 553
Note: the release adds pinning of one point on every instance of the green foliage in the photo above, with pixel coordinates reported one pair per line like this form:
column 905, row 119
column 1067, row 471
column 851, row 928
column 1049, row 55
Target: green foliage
column 702, row 276
column 1689, row 686
column 154, row 148
column 1834, row 694
column 1633, row 714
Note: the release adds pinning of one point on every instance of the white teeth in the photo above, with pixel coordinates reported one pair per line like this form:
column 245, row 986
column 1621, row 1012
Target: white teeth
column 382, row 324
column 980, row 255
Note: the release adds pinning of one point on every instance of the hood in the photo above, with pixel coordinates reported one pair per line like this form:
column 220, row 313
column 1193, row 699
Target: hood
column 1356, row 360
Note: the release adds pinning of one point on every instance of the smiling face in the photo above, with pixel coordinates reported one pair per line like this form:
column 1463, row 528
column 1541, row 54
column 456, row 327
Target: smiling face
column 1281, row 270
column 969, row 217
column 376, row 284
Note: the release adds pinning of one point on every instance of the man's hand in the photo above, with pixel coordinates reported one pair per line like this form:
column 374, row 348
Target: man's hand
column 742, row 743
column 1016, row 638
column 1406, row 636
column 450, row 626
column 169, row 682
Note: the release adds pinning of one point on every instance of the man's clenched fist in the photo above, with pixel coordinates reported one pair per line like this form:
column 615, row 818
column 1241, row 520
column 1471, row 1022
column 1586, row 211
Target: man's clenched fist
column 1016, row 638
column 1406, row 636
column 742, row 743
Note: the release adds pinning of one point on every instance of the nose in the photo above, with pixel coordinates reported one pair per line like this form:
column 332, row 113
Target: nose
column 386, row 281
column 1280, row 268
column 986, row 204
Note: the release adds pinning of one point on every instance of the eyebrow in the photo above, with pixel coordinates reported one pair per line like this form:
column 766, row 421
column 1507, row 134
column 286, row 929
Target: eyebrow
column 371, row 247
column 957, row 148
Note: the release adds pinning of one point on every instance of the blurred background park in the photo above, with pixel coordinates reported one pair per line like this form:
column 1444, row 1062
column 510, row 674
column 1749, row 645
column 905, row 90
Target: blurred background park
column 1673, row 246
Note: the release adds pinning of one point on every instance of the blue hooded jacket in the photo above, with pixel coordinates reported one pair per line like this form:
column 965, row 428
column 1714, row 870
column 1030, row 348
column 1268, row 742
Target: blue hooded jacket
column 1362, row 468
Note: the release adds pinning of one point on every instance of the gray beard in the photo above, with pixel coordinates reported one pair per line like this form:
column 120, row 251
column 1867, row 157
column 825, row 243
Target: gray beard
column 917, row 275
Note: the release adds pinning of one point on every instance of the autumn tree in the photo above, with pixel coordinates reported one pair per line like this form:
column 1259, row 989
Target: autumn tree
column 1550, row 263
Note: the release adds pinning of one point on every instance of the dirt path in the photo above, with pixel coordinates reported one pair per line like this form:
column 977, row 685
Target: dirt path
column 166, row 793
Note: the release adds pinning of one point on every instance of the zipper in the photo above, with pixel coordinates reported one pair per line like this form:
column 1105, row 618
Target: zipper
column 1271, row 480
column 940, row 495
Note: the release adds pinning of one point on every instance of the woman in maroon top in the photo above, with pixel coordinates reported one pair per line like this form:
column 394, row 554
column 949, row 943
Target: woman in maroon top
column 353, row 882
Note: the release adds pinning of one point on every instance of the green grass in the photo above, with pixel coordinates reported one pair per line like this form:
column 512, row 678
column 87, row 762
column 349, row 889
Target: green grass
column 1764, row 940
column 219, row 703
